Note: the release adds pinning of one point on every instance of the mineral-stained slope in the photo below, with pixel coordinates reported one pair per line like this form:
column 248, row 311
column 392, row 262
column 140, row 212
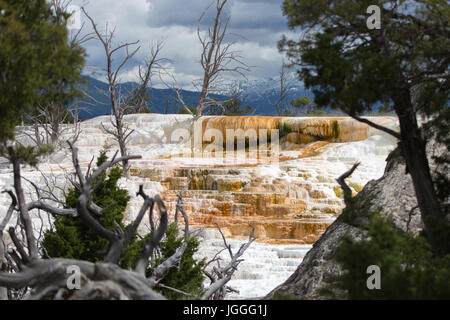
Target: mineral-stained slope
column 290, row 202
column 393, row 193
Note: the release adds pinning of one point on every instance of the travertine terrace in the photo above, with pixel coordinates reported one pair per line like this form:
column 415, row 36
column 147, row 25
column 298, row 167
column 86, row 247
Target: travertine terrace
column 290, row 201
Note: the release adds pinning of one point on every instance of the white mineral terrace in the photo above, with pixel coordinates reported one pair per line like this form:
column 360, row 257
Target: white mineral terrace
column 264, row 267
column 290, row 203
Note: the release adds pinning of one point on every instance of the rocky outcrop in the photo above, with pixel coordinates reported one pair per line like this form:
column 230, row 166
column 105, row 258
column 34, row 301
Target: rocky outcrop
column 283, row 208
column 393, row 192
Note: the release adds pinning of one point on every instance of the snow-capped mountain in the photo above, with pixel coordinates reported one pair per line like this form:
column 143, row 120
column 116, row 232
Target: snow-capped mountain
column 255, row 89
column 261, row 95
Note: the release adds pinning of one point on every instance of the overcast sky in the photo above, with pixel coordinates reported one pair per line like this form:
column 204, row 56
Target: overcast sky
column 259, row 22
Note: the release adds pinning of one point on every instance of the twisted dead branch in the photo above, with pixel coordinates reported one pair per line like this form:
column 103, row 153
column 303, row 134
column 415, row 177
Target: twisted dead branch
column 23, row 268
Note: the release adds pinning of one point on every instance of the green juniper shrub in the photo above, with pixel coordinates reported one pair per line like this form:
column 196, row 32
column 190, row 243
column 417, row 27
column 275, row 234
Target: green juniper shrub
column 304, row 106
column 71, row 239
column 232, row 107
column 284, row 296
column 408, row 268
column 36, row 60
column 184, row 110
column 189, row 276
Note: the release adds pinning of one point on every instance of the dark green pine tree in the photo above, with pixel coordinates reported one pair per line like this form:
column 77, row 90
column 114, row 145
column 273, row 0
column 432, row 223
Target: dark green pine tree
column 37, row 65
column 408, row 269
column 189, row 277
column 36, row 61
column 351, row 66
column 71, row 239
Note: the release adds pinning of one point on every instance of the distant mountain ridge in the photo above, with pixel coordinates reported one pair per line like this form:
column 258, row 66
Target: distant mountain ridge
column 162, row 100
column 260, row 94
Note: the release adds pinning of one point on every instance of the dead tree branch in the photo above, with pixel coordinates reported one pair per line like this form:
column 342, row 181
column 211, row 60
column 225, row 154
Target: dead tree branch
column 102, row 280
column 217, row 56
column 221, row 276
column 156, row 237
column 179, row 208
column 135, row 101
column 345, row 188
column 118, row 108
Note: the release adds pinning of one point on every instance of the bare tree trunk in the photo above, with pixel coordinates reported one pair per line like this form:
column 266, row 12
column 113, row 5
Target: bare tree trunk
column 23, row 208
column 203, row 94
column 118, row 115
column 413, row 147
column 55, row 129
column 135, row 99
column 280, row 104
column 120, row 133
column 3, row 266
column 37, row 132
column 285, row 87
column 216, row 57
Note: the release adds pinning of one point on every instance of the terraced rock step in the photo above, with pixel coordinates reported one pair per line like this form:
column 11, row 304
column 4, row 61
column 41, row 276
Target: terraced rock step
column 264, row 265
column 289, row 204
column 286, row 208
column 283, row 201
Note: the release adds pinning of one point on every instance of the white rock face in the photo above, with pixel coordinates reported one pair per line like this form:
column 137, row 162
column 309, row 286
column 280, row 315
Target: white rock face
column 265, row 266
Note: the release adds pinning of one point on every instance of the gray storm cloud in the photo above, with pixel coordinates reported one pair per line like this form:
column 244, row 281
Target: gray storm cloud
column 259, row 22
column 256, row 20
